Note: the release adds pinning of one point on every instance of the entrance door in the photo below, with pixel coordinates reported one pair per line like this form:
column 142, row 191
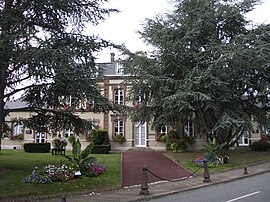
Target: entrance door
column 140, row 134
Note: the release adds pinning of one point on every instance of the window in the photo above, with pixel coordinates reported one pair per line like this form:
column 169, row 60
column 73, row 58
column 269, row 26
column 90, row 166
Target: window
column 82, row 104
column 265, row 131
column 163, row 130
column 95, row 125
column 40, row 137
column 17, row 129
column 68, row 132
column 119, row 69
column 119, row 96
column 75, row 103
column 189, row 129
column 244, row 139
column 118, row 127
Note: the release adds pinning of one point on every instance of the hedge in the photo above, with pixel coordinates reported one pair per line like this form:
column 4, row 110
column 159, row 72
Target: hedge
column 100, row 137
column 37, row 147
column 260, row 146
column 101, row 149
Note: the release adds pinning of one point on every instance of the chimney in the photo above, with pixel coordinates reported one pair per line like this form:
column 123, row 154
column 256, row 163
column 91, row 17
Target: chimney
column 112, row 57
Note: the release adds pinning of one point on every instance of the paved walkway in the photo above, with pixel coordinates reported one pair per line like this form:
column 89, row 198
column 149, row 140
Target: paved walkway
column 157, row 162
column 162, row 188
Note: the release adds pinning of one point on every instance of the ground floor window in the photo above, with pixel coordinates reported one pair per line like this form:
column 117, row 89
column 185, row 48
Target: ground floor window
column 118, row 128
column 68, row 132
column 163, row 130
column 17, row 129
column 189, row 129
column 40, row 137
column 244, row 139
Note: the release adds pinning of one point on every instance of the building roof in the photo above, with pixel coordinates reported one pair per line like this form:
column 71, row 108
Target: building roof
column 16, row 104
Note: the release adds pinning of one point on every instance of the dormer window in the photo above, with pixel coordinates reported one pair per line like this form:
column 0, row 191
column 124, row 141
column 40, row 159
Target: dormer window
column 119, row 69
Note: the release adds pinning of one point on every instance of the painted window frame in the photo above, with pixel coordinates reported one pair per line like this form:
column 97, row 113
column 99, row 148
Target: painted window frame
column 163, row 130
column 40, row 137
column 118, row 124
column 17, row 128
column 68, row 132
column 119, row 96
column 241, row 141
column 139, row 126
column 189, row 129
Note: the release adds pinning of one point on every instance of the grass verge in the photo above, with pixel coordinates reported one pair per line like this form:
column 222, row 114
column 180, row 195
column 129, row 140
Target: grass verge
column 16, row 165
column 238, row 158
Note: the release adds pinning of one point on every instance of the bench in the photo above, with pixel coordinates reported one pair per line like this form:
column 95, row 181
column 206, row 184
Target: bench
column 57, row 151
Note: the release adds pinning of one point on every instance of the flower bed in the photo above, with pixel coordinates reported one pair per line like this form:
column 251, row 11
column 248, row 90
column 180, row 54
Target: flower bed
column 53, row 173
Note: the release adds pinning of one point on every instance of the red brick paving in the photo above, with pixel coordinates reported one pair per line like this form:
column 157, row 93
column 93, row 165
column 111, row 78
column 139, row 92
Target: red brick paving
column 157, row 162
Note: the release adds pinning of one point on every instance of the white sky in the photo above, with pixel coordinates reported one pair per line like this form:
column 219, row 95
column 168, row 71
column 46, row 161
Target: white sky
column 121, row 28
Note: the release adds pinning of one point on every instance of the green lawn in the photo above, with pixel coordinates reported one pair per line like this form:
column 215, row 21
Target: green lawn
column 16, row 165
column 238, row 158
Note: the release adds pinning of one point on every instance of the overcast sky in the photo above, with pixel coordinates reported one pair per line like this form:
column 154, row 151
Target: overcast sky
column 121, row 27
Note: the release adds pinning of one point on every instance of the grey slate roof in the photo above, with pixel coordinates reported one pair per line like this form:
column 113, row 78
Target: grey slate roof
column 16, row 104
column 108, row 68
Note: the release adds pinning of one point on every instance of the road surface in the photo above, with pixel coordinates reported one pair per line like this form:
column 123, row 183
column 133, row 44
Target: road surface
column 250, row 189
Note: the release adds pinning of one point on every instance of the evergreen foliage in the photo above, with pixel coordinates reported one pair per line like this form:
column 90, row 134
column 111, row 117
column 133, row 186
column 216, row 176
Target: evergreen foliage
column 46, row 54
column 209, row 62
column 100, row 137
column 37, row 147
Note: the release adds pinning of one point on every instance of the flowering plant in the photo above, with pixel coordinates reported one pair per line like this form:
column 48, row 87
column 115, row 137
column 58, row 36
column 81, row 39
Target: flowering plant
column 198, row 160
column 93, row 170
column 97, row 169
column 59, row 143
column 49, row 174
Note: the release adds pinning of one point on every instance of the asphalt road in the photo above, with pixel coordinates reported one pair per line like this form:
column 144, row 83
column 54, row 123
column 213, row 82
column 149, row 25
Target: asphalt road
column 250, row 189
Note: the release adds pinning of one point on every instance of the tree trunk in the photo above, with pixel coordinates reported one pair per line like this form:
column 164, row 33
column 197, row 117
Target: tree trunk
column 4, row 62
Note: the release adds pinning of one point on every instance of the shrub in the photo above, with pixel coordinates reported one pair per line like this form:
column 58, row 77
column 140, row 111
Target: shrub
column 170, row 139
column 260, row 146
column 174, row 142
column 179, row 144
column 101, row 149
column 59, row 143
column 71, row 139
column 93, row 170
column 100, row 137
column 119, row 138
column 37, row 147
column 19, row 137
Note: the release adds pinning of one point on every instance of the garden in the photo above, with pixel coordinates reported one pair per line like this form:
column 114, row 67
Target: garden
column 26, row 174
column 30, row 174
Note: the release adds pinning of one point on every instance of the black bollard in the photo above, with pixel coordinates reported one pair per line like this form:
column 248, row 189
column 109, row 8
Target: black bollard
column 206, row 175
column 245, row 171
column 144, row 185
column 63, row 199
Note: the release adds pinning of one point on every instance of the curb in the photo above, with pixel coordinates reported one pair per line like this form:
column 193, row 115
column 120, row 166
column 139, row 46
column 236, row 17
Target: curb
column 155, row 196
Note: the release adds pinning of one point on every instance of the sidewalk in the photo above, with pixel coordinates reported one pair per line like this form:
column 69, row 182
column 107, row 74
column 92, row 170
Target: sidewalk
column 165, row 188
